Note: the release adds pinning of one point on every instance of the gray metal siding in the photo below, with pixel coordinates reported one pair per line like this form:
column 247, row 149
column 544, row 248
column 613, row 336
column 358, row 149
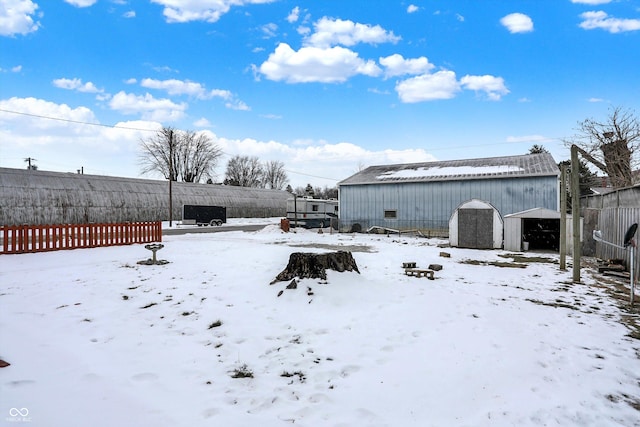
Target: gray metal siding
column 429, row 205
column 613, row 214
column 39, row 197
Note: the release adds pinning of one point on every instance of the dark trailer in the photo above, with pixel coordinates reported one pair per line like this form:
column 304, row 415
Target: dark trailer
column 203, row 215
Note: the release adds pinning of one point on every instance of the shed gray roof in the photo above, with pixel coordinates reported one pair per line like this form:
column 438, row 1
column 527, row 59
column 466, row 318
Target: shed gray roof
column 536, row 213
column 528, row 165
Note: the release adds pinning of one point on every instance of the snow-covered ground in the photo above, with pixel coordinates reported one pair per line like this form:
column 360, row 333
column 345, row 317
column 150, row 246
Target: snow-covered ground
column 95, row 339
column 230, row 222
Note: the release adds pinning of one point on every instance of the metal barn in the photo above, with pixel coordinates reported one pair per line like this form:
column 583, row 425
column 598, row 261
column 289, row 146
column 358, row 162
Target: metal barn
column 39, row 197
column 476, row 224
column 423, row 196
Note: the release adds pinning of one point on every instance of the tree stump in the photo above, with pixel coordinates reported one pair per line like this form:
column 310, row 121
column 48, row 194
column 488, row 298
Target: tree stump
column 314, row 266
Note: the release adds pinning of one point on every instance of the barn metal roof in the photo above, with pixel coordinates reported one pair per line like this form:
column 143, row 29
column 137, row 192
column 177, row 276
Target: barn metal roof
column 528, row 165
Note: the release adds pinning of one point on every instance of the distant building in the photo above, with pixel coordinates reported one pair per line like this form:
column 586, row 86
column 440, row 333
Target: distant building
column 424, row 196
column 36, row 197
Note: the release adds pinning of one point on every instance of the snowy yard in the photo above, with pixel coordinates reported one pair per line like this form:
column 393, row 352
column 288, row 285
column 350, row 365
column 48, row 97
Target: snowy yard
column 94, row 339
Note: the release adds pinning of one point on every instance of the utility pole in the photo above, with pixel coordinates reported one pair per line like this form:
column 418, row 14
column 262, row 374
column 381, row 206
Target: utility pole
column 29, row 160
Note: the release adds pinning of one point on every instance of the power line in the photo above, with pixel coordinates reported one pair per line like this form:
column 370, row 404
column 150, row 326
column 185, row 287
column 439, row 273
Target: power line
column 550, row 139
column 312, row 176
column 79, row 122
column 227, row 154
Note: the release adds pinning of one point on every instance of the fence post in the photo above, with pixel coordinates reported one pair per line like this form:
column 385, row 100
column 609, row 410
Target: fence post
column 23, row 243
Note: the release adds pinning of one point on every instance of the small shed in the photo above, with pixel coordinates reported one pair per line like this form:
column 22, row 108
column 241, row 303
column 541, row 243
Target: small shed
column 537, row 229
column 476, row 224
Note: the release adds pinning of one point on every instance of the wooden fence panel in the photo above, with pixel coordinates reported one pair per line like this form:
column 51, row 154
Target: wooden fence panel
column 42, row 238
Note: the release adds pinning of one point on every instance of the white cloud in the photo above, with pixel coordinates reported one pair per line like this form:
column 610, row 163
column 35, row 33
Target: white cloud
column 81, row 3
column 129, row 14
column 236, row 104
column 76, row 84
column 202, row 123
column 335, row 161
column 164, row 69
column 599, row 19
column 330, row 32
column 67, row 144
column 444, row 85
column 412, row 8
column 378, row 91
column 303, row 30
column 428, row 87
column 218, row 93
column 16, row 17
column 271, row 116
column 195, row 90
column 313, row 64
column 176, row 87
column 294, row 15
column 43, row 115
column 494, row 87
column 62, row 138
column 15, row 69
column 150, row 108
column 517, row 23
column 529, row 138
column 200, row 10
column 269, row 30
column 397, row 65
column 591, row 2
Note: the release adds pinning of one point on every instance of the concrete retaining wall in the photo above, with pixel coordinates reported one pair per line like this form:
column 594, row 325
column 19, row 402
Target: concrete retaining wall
column 40, row 197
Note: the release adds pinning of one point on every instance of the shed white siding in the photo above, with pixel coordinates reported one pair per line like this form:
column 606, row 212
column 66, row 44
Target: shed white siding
column 513, row 228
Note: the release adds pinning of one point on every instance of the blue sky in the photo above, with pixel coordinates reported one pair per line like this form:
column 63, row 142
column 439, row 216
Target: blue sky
column 327, row 87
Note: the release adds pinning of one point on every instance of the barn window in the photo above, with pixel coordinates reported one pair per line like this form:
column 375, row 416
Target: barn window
column 390, row 214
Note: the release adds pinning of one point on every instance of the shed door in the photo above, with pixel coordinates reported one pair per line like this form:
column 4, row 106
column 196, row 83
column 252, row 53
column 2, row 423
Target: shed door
column 475, row 228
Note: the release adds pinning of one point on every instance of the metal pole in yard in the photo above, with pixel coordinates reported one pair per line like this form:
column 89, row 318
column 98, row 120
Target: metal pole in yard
column 170, row 177
column 632, row 271
column 563, row 217
column 295, row 211
column 575, row 212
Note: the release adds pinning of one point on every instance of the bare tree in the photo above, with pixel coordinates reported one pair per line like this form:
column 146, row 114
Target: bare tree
column 187, row 155
column 611, row 145
column 275, row 176
column 158, row 154
column 326, row 192
column 244, row 171
column 198, row 156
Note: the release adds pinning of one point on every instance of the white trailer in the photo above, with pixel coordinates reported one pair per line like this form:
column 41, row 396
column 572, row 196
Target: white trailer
column 311, row 213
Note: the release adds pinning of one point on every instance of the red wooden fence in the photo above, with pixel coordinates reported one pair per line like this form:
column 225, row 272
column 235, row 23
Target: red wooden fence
column 41, row 238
